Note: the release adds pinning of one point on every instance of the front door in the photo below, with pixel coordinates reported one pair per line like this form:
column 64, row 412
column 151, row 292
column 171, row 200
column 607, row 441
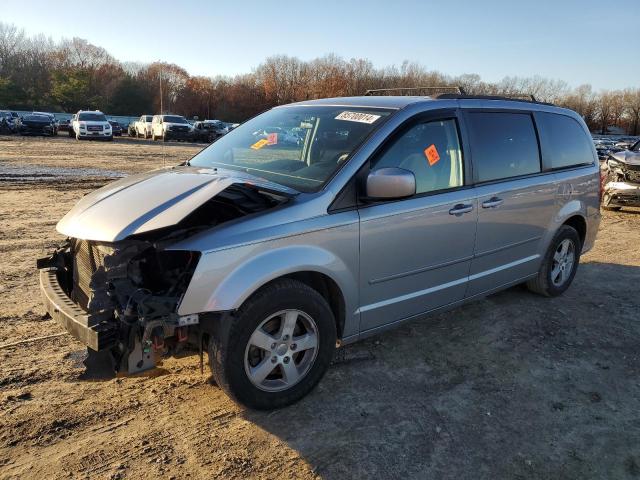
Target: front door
column 415, row 253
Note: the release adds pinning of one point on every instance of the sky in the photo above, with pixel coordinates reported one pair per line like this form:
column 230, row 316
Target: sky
column 578, row 41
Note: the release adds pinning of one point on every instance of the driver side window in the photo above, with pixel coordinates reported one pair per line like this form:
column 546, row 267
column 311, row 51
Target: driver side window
column 430, row 150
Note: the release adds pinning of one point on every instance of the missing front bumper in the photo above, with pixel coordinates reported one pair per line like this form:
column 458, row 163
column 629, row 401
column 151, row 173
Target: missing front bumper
column 93, row 330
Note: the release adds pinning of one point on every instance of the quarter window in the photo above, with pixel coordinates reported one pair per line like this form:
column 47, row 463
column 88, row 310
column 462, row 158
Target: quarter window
column 431, row 151
column 566, row 142
column 504, row 145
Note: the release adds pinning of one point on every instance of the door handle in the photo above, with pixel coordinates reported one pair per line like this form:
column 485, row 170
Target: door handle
column 493, row 202
column 460, row 208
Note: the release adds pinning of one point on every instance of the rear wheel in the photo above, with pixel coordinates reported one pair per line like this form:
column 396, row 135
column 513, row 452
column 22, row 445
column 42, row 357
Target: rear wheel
column 559, row 264
column 276, row 349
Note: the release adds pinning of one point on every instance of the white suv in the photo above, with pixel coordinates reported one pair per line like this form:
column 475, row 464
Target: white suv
column 90, row 124
column 170, row 127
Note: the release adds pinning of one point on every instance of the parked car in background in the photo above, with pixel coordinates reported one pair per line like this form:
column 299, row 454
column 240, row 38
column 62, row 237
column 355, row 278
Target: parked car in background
column 36, row 124
column 170, row 127
column 116, row 129
column 622, row 179
column 54, row 120
column 8, row 124
column 208, row 130
column 390, row 209
column 90, row 124
column 142, row 126
column 64, row 125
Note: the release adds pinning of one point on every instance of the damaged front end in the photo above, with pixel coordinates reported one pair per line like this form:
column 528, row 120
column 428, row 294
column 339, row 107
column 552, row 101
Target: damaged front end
column 622, row 180
column 119, row 293
column 126, row 295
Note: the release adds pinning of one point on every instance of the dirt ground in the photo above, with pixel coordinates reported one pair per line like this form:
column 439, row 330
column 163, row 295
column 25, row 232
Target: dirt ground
column 513, row 386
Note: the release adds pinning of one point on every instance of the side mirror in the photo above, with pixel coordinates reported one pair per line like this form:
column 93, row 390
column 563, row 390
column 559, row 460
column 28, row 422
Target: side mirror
column 390, row 183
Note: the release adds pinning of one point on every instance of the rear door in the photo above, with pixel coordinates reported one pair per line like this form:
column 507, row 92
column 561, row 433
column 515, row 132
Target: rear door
column 415, row 253
column 516, row 201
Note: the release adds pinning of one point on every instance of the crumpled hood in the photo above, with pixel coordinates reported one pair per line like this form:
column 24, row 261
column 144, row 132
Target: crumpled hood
column 150, row 201
column 628, row 157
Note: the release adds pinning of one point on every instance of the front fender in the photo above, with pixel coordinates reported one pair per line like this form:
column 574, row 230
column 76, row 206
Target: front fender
column 224, row 279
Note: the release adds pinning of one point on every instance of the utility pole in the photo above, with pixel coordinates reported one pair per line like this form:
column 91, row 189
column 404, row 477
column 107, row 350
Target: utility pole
column 161, row 104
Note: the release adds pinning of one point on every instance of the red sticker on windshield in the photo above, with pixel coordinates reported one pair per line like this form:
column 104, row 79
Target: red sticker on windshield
column 431, row 152
column 272, row 138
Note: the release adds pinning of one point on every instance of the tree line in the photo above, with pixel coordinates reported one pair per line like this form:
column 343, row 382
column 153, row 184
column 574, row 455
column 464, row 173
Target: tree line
column 37, row 73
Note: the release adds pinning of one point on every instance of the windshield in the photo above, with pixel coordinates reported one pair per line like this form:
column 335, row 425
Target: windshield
column 636, row 147
column 92, row 117
column 173, row 119
column 148, row 118
column 299, row 147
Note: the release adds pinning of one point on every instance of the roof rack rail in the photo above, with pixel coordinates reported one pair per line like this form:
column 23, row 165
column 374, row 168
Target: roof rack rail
column 402, row 90
column 515, row 97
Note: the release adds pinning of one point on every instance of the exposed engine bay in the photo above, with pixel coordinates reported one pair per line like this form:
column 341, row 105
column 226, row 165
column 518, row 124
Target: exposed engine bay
column 131, row 289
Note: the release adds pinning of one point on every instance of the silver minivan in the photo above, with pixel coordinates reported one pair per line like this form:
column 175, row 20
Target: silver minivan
column 348, row 217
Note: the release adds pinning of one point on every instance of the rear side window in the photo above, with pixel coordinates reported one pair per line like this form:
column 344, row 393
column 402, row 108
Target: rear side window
column 566, row 144
column 504, row 145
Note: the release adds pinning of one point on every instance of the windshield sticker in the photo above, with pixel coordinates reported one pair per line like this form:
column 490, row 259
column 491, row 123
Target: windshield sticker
column 272, row 139
column 260, row 143
column 358, row 117
column 431, row 152
column 306, row 125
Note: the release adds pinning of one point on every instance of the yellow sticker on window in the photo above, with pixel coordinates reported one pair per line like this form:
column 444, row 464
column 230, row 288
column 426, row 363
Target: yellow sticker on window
column 260, row 143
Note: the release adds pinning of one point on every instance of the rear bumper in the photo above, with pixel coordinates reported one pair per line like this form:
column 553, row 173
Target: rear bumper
column 93, row 330
column 623, row 194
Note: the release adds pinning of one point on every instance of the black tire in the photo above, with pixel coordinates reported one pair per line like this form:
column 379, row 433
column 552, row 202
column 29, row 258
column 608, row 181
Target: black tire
column 71, row 133
column 228, row 345
column 165, row 138
column 542, row 283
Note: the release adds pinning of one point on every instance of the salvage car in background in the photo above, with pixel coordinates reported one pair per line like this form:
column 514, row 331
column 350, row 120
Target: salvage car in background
column 36, row 124
column 271, row 253
column 622, row 179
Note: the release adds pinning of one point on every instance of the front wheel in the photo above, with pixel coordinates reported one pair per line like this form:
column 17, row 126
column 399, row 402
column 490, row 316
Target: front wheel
column 559, row 264
column 276, row 349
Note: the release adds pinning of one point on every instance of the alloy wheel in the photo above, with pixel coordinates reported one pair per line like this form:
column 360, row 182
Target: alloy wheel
column 563, row 261
column 281, row 350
